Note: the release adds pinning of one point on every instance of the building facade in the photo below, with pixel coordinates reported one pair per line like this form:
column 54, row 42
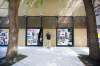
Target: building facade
column 65, row 20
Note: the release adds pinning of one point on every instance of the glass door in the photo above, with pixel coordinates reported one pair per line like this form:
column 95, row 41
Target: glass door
column 64, row 37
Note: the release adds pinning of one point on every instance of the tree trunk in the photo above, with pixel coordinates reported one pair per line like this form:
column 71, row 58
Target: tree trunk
column 94, row 51
column 13, row 29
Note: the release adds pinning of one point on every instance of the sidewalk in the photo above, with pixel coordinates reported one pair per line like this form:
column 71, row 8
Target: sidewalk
column 58, row 56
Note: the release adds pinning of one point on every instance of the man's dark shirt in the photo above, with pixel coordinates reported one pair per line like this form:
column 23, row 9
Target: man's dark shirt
column 48, row 36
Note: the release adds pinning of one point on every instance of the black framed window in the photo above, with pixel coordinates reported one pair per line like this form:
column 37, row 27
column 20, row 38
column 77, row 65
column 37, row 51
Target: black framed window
column 65, row 31
column 34, row 31
column 4, row 31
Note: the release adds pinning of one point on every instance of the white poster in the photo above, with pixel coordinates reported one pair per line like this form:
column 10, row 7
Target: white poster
column 32, row 36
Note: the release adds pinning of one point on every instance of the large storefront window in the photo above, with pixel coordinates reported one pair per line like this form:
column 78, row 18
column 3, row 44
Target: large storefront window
column 64, row 37
column 4, row 37
column 4, row 31
column 65, row 31
column 33, row 29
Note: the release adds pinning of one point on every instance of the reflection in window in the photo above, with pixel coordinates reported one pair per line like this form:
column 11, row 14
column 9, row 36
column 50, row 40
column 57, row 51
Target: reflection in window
column 4, row 22
column 96, row 4
column 64, row 21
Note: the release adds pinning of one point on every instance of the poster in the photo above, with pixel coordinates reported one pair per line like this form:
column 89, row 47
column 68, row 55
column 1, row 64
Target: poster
column 4, row 37
column 32, row 36
column 63, row 37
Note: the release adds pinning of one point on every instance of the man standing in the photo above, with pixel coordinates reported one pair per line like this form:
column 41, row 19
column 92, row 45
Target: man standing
column 48, row 39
